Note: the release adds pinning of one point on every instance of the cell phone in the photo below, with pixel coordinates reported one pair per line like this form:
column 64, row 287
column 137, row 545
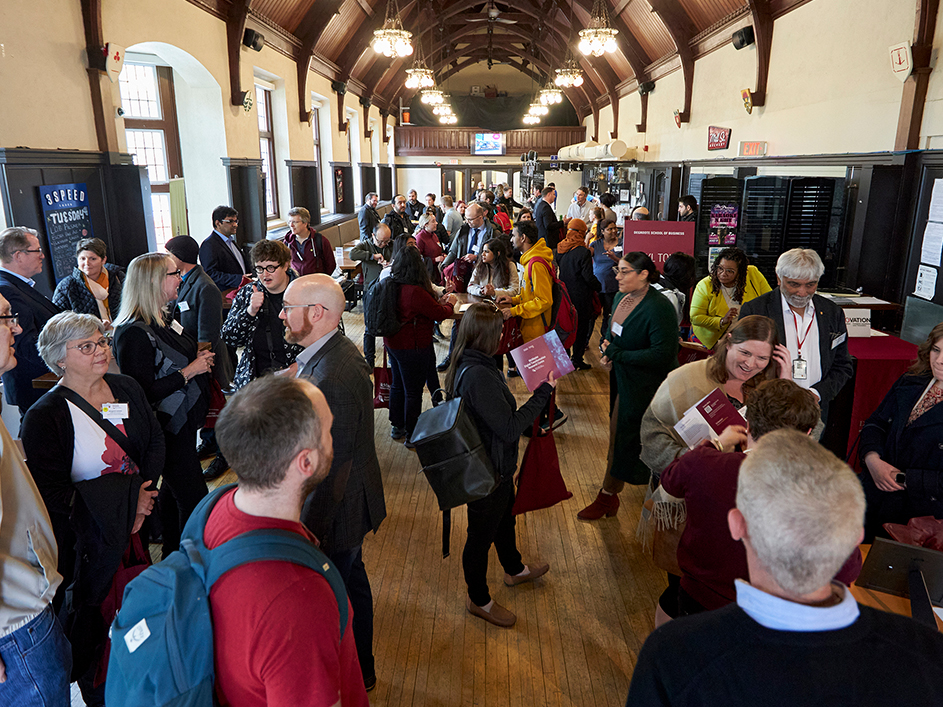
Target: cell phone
column 901, row 478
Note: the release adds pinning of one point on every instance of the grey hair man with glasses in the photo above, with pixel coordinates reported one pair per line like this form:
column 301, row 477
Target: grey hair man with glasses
column 349, row 503
column 21, row 259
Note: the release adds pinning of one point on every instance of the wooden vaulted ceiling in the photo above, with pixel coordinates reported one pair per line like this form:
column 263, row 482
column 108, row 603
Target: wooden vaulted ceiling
column 655, row 36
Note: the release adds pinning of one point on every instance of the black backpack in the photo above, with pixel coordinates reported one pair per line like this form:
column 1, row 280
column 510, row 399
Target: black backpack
column 381, row 307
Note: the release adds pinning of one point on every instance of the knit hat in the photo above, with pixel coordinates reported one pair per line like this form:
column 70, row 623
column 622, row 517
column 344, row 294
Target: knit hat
column 184, row 248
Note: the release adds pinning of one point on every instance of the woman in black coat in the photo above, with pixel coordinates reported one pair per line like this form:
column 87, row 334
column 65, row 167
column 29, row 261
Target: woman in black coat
column 475, row 377
column 575, row 260
column 94, row 287
column 904, row 436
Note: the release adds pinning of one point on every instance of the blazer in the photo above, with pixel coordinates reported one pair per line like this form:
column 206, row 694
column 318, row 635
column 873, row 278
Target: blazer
column 349, row 503
column 546, row 221
column 459, row 245
column 203, row 319
column 220, row 262
column 71, row 292
column 833, row 340
column 33, row 309
column 367, row 219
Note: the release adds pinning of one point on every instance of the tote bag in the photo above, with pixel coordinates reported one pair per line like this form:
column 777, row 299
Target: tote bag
column 540, row 484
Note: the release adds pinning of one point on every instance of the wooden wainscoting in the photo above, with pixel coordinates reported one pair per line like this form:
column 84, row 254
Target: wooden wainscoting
column 414, row 140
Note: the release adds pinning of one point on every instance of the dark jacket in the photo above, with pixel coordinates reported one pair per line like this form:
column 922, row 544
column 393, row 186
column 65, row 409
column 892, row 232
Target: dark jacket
column 833, row 340
column 349, row 503
column 398, row 224
column 459, row 246
column 314, row 256
column 220, row 262
column 548, row 227
column 499, row 421
column 576, row 271
column 367, row 219
column 239, row 332
column 415, row 209
column 34, row 310
column 364, row 252
column 72, row 294
column 203, row 318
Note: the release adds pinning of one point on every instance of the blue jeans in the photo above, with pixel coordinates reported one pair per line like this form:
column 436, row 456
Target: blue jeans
column 38, row 660
column 350, row 565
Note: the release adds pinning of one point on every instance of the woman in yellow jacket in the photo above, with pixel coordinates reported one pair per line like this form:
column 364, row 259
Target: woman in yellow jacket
column 718, row 297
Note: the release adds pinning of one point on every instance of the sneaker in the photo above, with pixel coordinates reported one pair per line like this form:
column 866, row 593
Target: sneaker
column 512, row 373
column 444, row 366
column 398, row 433
column 581, row 365
column 370, row 683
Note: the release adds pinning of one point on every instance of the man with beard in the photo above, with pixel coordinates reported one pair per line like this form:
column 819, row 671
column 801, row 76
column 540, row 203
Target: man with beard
column 350, row 502
column 367, row 217
column 810, row 326
column 398, row 218
column 276, row 432
column 414, row 208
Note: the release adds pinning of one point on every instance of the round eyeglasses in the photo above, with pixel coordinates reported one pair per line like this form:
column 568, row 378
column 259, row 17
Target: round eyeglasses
column 88, row 348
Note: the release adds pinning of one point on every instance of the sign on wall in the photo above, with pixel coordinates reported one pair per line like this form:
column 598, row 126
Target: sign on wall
column 752, row 149
column 68, row 220
column 718, row 138
column 902, row 62
column 723, row 224
column 658, row 238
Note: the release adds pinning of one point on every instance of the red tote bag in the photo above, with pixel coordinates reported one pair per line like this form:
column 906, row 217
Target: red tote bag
column 382, row 380
column 540, row 484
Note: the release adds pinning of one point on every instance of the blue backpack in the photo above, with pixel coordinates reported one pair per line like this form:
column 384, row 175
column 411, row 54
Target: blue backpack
column 162, row 638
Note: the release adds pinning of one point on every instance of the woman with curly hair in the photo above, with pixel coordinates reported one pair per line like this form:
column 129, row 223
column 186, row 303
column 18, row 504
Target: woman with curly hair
column 717, row 298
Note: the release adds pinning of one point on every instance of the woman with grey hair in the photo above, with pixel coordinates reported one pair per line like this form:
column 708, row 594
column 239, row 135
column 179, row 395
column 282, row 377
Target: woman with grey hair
column 94, row 287
column 96, row 451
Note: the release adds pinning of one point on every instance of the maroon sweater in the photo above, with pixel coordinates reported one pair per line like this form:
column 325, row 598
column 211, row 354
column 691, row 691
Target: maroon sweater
column 709, row 558
column 418, row 311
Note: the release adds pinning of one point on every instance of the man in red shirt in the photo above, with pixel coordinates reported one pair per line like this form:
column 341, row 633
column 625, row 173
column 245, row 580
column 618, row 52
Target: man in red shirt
column 311, row 252
column 276, row 625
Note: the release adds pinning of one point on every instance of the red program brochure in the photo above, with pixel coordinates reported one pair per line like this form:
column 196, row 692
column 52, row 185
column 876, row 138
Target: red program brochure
column 538, row 357
column 718, row 411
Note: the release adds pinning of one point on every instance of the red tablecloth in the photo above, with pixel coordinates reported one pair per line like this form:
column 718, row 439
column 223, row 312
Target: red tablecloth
column 881, row 361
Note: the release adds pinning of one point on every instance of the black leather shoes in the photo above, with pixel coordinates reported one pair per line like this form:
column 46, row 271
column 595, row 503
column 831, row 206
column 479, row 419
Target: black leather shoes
column 217, row 468
column 444, row 366
column 207, row 449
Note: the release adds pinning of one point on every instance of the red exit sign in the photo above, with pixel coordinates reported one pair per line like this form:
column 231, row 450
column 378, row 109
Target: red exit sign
column 752, row 149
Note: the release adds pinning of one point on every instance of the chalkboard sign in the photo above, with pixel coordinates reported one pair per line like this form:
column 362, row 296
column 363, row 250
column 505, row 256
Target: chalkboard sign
column 68, row 220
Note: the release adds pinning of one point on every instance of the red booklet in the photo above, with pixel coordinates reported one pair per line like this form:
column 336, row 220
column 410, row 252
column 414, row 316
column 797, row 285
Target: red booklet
column 718, row 411
column 538, row 357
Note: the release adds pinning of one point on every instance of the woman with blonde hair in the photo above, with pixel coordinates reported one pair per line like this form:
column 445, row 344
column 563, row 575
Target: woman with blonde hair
column 153, row 349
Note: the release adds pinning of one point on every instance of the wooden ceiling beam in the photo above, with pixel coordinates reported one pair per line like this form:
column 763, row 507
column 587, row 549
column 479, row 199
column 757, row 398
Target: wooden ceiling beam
column 762, row 15
column 309, row 31
column 681, row 29
column 235, row 27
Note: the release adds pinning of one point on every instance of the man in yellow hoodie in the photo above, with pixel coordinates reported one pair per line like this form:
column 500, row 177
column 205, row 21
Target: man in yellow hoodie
column 533, row 305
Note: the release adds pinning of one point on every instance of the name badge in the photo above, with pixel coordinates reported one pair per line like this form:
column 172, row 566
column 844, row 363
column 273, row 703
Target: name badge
column 175, row 325
column 839, row 340
column 115, row 411
column 617, row 329
column 800, row 369
column 184, row 306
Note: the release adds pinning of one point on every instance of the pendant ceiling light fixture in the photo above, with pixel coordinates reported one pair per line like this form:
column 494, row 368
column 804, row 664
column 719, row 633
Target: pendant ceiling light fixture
column 531, row 119
column 570, row 74
column 549, row 95
column 419, row 75
column 538, row 109
column 599, row 38
column 448, row 119
column 391, row 39
column 442, row 109
column 432, row 96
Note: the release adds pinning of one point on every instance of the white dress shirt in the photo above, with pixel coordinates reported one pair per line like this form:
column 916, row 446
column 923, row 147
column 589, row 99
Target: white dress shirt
column 795, row 328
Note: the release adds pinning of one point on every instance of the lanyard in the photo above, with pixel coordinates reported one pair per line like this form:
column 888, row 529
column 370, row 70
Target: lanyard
column 800, row 342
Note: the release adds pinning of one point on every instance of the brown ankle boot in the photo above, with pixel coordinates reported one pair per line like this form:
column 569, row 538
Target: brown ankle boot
column 604, row 505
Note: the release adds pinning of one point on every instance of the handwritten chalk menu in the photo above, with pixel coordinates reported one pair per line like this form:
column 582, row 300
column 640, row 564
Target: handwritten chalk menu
column 68, row 220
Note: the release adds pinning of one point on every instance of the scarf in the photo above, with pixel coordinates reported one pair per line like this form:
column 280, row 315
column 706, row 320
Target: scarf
column 99, row 290
column 575, row 236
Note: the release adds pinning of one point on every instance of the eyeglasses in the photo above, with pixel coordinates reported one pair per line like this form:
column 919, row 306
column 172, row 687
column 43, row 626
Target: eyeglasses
column 624, row 271
column 230, row 220
column 266, row 268
column 88, row 348
column 316, row 304
column 13, row 319
column 27, row 250
column 174, row 273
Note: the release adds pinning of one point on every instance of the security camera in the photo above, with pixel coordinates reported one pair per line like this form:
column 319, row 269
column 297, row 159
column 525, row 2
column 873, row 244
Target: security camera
column 119, row 111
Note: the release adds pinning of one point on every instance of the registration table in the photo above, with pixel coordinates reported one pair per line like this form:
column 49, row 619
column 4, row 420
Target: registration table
column 885, row 602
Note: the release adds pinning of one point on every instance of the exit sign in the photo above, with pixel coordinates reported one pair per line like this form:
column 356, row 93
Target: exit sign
column 454, row 161
column 752, row 149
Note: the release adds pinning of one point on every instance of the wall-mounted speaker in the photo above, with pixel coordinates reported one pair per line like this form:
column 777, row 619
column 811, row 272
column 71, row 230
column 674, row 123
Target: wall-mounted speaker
column 646, row 87
column 252, row 39
column 743, row 37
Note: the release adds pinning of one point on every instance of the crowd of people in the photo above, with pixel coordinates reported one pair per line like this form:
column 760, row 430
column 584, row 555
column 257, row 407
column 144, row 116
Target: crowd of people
column 245, row 351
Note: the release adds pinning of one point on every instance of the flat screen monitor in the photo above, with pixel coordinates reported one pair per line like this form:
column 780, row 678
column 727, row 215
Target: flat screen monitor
column 488, row 144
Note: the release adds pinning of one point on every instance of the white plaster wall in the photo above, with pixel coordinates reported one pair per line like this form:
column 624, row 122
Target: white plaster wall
column 45, row 91
column 423, row 180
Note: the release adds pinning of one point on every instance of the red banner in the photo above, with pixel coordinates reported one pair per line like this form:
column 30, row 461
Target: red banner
column 718, row 138
column 659, row 238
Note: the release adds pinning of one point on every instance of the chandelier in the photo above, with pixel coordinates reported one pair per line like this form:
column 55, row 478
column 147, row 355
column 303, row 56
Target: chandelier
column 448, row 119
column 531, row 119
column 549, row 95
column 432, row 96
column 599, row 38
column 538, row 109
column 571, row 74
column 442, row 109
column 391, row 39
column 419, row 75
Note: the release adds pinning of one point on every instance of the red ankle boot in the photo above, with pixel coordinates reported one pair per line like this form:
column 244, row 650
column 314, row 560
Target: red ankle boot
column 604, row 505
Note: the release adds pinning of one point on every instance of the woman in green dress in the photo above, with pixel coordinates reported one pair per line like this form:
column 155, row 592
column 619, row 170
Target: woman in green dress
column 642, row 345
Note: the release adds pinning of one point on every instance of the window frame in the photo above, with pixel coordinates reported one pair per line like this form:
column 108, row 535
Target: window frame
column 263, row 93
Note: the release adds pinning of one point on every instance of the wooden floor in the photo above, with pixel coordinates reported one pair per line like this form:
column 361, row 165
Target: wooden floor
column 579, row 629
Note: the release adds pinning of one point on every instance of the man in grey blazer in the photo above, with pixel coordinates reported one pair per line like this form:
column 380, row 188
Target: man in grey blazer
column 349, row 503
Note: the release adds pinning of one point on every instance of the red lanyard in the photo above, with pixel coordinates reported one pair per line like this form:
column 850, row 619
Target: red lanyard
column 808, row 329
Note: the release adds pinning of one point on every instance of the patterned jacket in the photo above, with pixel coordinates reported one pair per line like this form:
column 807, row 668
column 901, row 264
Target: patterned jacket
column 239, row 331
column 71, row 292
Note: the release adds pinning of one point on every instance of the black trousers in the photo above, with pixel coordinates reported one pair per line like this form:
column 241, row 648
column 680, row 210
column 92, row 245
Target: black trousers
column 350, row 565
column 410, row 369
column 182, row 487
column 490, row 523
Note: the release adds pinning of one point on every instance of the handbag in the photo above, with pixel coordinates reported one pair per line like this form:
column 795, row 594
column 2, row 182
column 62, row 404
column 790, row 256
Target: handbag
column 511, row 336
column 382, row 380
column 457, row 274
column 540, row 483
column 453, row 457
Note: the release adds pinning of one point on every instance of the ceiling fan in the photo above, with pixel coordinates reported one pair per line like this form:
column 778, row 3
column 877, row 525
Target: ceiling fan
column 493, row 15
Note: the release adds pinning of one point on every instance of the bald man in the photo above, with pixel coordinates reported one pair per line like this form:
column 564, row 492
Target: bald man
column 349, row 503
